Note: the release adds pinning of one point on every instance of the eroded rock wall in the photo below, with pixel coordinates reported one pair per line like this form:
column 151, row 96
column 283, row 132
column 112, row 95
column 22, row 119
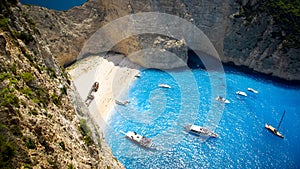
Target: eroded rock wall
column 256, row 41
column 236, row 39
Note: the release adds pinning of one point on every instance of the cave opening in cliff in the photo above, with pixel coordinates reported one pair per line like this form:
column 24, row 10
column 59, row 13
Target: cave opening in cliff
column 199, row 59
column 194, row 60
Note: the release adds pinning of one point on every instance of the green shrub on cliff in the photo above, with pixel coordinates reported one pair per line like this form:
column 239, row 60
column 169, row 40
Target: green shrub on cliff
column 285, row 13
column 4, row 76
column 27, row 166
column 7, row 148
column 62, row 145
column 8, row 98
column 51, row 73
column 24, row 36
column 27, row 91
column 29, row 142
column 3, row 23
column 56, row 100
column 86, row 132
column 27, row 77
column 71, row 166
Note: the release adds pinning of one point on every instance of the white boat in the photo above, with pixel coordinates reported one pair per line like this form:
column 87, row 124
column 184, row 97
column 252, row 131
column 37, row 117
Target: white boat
column 124, row 103
column 140, row 140
column 138, row 75
column 164, row 86
column 200, row 131
column 275, row 130
column 241, row 93
column 222, row 99
column 252, row 90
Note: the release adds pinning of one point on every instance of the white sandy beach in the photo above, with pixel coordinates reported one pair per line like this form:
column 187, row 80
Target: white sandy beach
column 114, row 73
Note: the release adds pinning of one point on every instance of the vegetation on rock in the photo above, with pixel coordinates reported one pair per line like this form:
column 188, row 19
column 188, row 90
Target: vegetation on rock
column 38, row 123
column 86, row 132
column 286, row 15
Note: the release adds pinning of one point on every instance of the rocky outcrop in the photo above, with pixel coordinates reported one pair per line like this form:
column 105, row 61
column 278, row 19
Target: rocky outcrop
column 236, row 39
column 165, row 53
column 39, row 127
column 256, row 41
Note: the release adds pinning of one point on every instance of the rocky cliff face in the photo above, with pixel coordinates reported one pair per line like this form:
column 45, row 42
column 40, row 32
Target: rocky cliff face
column 255, row 40
column 237, row 39
column 39, row 127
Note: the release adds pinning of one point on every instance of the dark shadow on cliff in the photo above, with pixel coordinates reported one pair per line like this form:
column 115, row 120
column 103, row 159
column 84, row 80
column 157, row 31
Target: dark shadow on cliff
column 194, row 62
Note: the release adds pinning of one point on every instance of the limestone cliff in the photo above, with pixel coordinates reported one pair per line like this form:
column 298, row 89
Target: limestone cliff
column 39, row 127
column 256, row 39
column 239, row 39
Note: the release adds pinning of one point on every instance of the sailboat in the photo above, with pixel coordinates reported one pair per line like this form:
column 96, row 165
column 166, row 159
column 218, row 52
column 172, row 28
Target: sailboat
column 275, row 130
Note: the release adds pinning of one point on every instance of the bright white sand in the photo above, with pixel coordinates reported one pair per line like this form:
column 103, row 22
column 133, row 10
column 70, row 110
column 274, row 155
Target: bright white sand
column 114, row 73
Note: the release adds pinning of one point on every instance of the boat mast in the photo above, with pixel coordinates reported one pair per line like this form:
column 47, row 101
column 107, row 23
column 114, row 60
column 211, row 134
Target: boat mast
column 280, row 121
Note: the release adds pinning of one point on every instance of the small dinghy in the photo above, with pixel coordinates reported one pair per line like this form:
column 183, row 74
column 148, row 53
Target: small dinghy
column 164, row 86
column 241, row 93
column 222, row 99
column 252, row 90
column 123, row 103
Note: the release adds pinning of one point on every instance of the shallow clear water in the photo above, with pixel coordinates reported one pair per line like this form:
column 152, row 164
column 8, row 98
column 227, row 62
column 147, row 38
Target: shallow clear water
column 160, row 114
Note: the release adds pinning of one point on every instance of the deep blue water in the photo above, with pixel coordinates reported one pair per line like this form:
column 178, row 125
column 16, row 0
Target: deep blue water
column 160, row 113
column 55, row 4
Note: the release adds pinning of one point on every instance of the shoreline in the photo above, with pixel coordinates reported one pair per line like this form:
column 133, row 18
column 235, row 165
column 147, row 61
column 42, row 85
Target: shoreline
column 194, row 61
column 267, row 77
column 114, row 73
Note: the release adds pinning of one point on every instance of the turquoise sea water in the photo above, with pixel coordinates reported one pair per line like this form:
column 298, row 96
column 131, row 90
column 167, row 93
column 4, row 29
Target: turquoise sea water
column 159, row 114
column 55, row 4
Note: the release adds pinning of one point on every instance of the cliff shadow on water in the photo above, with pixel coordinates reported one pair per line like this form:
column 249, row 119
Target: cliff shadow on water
column 233, row 69
column 195, row 62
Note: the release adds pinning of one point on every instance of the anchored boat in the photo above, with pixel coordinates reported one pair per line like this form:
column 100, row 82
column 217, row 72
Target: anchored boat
column 222, row 99
column 252, row 90
column 123, row 103
column 164, row 86
column 241, row 93
column 200, row 131
column 140, row 140
column 275, row 130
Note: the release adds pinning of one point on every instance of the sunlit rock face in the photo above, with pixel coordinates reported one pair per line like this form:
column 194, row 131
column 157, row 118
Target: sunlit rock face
column 235, row 39
column 43, row 120
column 67, row 32
column 165, row 53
